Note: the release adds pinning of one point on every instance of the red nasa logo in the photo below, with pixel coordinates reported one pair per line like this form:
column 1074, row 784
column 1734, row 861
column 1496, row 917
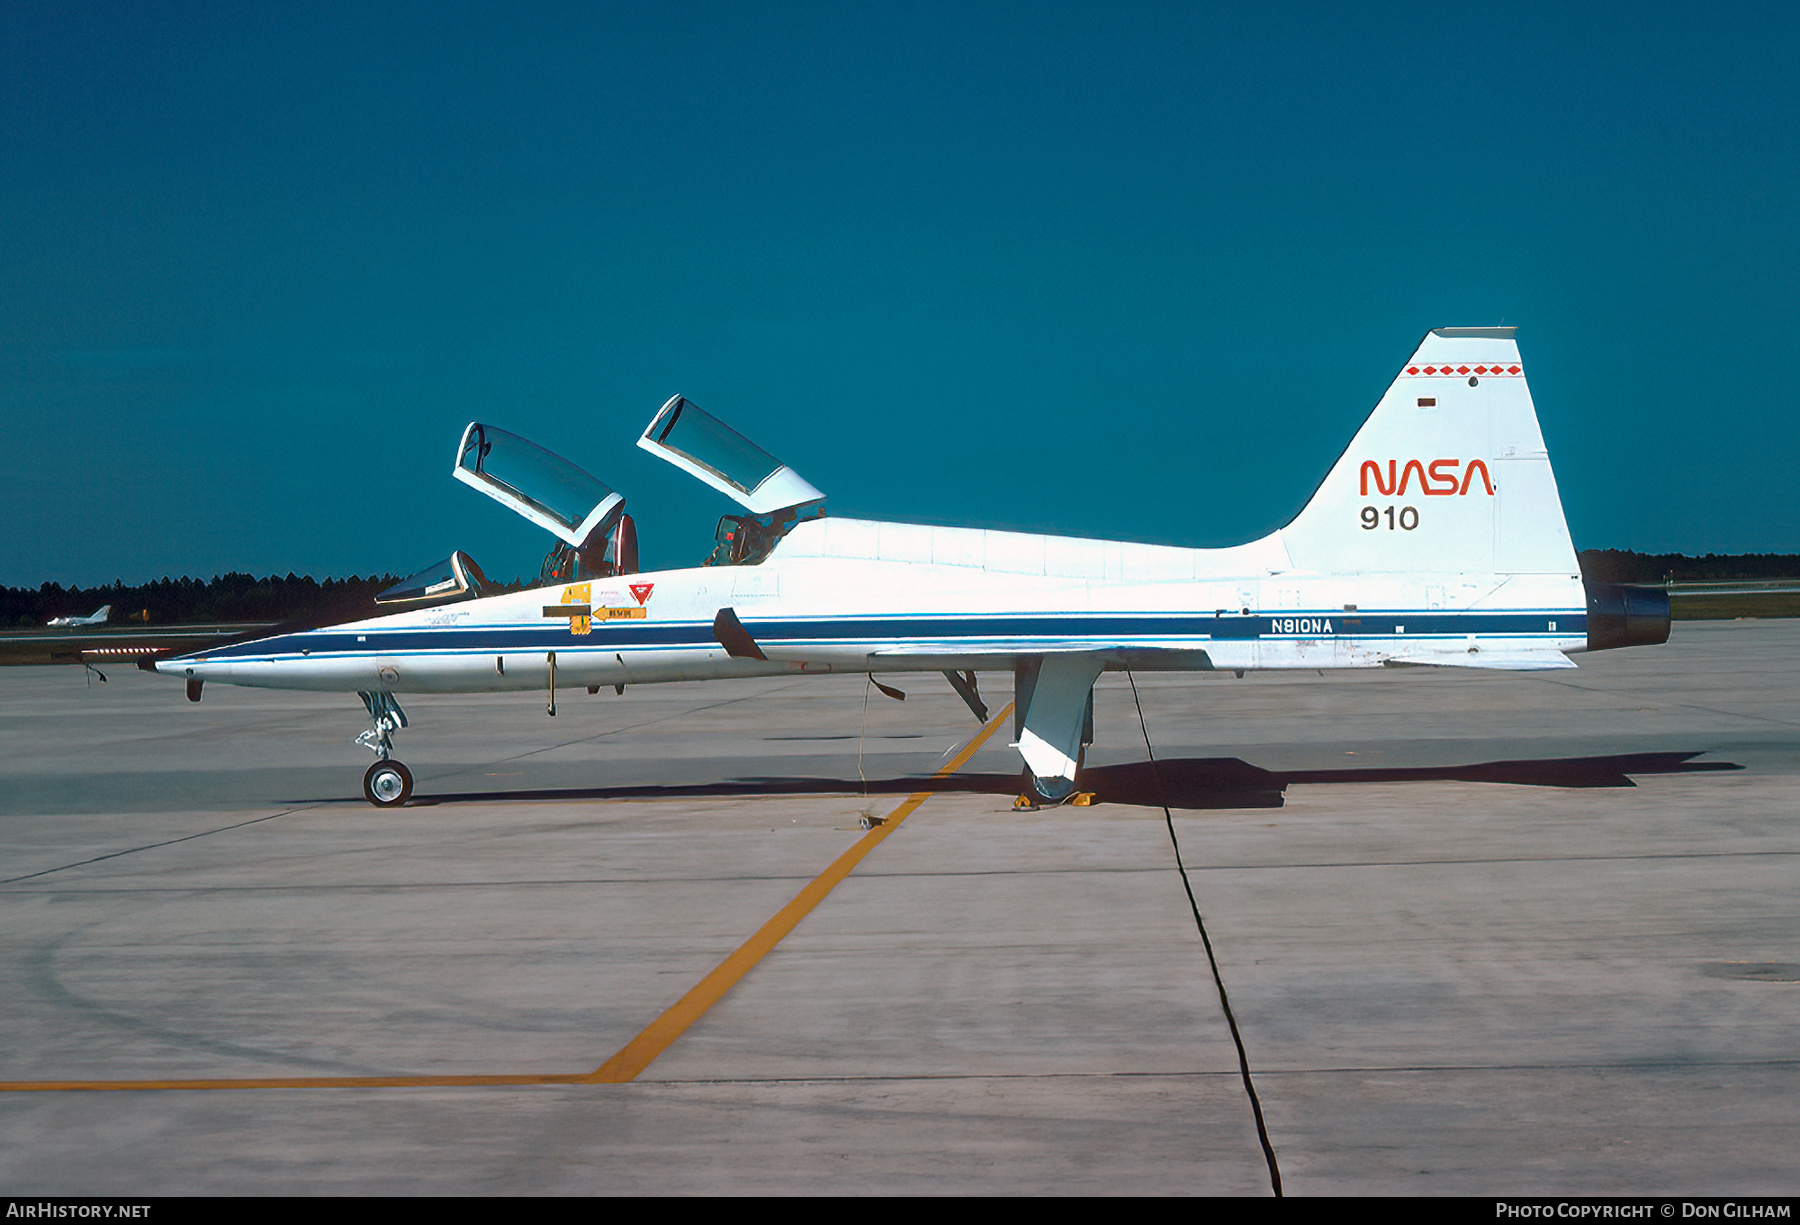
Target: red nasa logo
column 1436, row 480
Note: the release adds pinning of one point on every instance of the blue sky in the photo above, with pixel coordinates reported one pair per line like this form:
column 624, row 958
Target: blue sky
column 1123, row 270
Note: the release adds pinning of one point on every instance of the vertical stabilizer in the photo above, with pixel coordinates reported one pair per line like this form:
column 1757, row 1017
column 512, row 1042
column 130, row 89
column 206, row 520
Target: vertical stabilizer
column 1449, row 474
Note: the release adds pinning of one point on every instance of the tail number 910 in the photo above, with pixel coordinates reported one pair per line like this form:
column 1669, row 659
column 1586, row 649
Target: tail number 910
column 1406, row 519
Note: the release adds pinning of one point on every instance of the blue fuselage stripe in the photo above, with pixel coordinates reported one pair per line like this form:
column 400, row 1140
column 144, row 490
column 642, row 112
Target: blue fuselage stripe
column 949, row 630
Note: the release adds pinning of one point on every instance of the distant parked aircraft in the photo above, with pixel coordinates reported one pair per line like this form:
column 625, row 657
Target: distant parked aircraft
column 98, row 617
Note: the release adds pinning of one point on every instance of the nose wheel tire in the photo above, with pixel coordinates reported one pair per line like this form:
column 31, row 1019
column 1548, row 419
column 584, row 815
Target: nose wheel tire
column 388, row 784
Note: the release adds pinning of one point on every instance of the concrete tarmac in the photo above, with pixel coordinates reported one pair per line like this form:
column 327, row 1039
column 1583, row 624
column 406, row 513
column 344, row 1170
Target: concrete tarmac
column 1484, row 934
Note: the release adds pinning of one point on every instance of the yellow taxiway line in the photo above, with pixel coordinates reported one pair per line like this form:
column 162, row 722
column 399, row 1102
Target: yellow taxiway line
column 642, row 1050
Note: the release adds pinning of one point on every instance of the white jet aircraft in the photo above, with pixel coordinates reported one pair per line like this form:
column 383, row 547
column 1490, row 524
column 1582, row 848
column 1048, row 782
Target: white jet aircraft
column 1438, row 538
column 97, row 617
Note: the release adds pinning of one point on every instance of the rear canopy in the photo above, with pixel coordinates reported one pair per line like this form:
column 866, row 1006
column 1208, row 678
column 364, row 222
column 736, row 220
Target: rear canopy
column 706, row 448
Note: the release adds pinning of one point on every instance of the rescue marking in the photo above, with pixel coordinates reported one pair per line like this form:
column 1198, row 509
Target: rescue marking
column 577, row 601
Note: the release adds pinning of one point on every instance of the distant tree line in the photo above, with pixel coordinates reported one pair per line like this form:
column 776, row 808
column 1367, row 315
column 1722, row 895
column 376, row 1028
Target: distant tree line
column 1623, row 566
column 243, row 597
column 177, row 601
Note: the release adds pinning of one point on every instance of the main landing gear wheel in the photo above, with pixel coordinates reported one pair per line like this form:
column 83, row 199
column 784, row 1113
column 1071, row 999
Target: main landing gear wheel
column 388, row 784
column 1046, row 790
column 1035, row 792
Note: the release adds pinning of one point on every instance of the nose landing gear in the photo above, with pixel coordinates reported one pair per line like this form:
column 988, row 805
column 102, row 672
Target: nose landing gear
column 388, row 783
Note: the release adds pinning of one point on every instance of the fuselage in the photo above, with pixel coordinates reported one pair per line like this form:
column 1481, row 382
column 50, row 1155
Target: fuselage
column 847, row 595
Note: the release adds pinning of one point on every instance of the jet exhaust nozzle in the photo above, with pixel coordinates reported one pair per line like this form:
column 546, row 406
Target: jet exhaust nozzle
column 1622, row 615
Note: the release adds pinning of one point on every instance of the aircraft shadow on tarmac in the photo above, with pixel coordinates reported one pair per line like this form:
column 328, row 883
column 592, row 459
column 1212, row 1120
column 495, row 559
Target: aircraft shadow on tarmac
column 1182, row 782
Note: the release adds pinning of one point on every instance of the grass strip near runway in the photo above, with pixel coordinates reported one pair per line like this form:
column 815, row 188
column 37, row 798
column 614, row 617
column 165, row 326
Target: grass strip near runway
column 657, row 1037
column 1732, row 602
column 637, row 1054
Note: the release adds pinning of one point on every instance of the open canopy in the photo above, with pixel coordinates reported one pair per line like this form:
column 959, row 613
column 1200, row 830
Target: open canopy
column 705, row 447
column 545, row 488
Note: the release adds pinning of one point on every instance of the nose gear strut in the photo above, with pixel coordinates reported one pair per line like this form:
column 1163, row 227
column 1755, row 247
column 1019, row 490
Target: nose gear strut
column 388, row 783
